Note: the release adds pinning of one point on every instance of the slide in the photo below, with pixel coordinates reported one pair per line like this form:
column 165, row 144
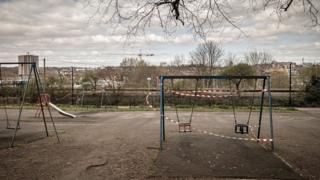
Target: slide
column 61, row 111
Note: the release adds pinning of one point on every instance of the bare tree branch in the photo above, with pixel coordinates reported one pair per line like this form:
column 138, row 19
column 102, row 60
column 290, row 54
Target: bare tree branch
column 201, row 16
column 286, row 6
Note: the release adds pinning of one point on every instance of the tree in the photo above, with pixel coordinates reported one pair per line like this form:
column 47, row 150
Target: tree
column 306, row 73
column 260, row 60
column 201, row 16
column 241, row 69
column 178, row 60
column 312, row 91
column 231, row 60
column 205, row 57
column 176, row 65
column 52, row 81
column 129, row 62
column 131, row 65
column 90, row 77
column 62, row 80
column 136, row 71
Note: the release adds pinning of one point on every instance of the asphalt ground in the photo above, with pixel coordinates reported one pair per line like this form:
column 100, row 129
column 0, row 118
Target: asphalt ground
column 125, row 145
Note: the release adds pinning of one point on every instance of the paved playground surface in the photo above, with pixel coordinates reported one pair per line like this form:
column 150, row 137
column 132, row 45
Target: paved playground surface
column 125, row 145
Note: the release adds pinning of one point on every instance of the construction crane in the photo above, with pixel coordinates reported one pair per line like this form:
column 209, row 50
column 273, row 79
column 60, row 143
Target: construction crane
column 105, row 55
column 131, row 54
column 141, row 54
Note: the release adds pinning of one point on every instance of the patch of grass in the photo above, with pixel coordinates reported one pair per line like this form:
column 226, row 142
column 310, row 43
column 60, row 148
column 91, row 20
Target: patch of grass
column 229, row 108
column 92, row 108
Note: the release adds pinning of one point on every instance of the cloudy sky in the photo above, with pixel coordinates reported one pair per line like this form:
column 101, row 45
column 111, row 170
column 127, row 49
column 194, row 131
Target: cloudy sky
column 62, row 32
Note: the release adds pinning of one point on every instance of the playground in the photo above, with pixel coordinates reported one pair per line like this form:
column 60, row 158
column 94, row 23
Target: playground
column 122, row 145
column 176, row 138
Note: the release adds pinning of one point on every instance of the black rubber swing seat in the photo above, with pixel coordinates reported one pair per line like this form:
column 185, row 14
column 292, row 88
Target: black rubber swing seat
column 186, row 127
column 241, row 128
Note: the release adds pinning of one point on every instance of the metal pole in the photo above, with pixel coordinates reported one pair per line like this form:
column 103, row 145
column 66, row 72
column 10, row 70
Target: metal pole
column 53, row 124
column 82, row 97
column 149, row 85
column 40, row 99
column 20, row 109
column 261, row 107
column 164, row 122
column 1, row 74
column 290, row 78
column 44, row 74
column 101, row 101
column 270, row 113
column 161, row 113
column 72, row 87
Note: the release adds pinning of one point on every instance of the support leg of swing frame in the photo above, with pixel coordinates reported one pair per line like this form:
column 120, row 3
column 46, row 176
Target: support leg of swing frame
column 270, row 114
column 37, row 79
column 53, row 124
column 261, row 108
column 20, row 110
column 163, row 121
column 161, row 113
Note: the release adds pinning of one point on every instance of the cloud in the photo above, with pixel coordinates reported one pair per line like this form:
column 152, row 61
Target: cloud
column 61, row 30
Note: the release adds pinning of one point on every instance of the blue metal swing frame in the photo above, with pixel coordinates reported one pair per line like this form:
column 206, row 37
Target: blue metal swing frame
column 266, row 79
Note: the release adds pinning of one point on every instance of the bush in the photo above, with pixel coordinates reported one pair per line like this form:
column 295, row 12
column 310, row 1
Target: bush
column 312, row 95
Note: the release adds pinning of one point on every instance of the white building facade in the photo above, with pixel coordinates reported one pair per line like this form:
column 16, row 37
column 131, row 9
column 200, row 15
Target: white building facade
column 24, row 69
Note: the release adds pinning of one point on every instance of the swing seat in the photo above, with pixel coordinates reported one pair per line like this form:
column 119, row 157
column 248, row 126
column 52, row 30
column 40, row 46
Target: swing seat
column 184, row 127
column 241, row 128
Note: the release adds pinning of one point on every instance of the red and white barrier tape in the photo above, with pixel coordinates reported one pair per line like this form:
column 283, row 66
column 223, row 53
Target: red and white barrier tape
column 199, row 95
column 148, row 102
column 223, row 90
column 254, row 138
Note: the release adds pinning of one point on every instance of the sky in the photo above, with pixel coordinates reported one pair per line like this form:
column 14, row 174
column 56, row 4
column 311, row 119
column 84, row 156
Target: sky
column 65, row 34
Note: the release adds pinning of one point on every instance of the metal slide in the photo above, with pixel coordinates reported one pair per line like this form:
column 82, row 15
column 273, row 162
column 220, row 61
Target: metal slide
column 61, row 111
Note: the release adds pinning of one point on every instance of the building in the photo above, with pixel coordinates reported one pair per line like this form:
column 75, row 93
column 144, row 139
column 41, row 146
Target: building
column 24, row 69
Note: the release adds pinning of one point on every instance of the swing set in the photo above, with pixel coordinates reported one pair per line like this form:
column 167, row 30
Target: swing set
column 40, row 91
column 240, row 127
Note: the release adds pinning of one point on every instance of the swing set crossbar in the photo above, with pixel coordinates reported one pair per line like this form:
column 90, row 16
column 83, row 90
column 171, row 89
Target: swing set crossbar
column 214, row 77
column 15, row 63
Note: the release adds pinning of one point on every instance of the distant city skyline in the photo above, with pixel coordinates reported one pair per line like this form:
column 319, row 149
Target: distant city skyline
column 62, row 32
